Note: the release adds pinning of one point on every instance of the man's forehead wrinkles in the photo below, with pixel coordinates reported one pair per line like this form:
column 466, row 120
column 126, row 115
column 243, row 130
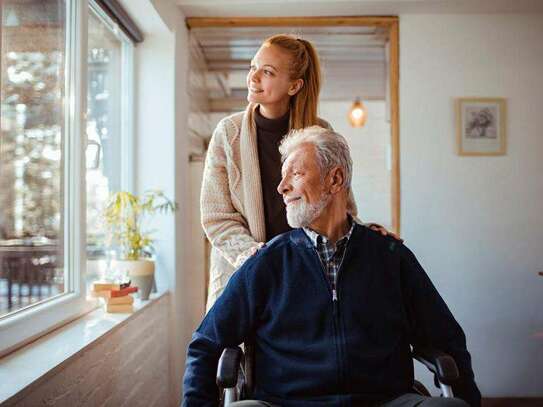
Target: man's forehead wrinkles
column 294, row 160
column 286, row 166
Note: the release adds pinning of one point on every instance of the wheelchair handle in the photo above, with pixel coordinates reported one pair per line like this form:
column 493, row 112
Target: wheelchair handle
column 228, row 368
column 442, row 365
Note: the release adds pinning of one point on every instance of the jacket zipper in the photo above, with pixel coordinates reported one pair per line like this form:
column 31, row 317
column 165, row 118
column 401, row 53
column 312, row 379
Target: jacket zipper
column 335, row 296
column 334, row 318
column 335, row 307
column 335, row 300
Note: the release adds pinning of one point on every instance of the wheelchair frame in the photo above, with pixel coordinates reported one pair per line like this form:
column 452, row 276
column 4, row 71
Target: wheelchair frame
column 235, row 372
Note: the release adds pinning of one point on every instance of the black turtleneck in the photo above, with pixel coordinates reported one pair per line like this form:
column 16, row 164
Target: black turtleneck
column 269, row 134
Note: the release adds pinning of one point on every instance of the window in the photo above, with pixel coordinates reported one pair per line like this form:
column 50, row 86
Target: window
column 31, row 152
column 108, row 155
column 53, row 71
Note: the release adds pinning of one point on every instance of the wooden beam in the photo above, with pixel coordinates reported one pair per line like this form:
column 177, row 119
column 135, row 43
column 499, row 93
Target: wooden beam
column 328, row 66
column 395, row 123
column 230, row 37
column 374, row 21
column 233, row 104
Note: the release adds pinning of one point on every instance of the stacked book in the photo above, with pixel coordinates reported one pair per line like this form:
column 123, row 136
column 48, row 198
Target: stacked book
column 116, row 296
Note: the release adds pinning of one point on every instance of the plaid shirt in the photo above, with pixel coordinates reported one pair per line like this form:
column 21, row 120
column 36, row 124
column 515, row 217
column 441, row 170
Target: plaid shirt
column 331, row 254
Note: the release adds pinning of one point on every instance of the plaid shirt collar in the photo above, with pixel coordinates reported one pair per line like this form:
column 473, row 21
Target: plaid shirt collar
column 319, row 240
column 330, row 254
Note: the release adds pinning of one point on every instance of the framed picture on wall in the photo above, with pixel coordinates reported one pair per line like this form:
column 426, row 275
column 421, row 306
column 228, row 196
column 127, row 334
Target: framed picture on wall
column 480, row 126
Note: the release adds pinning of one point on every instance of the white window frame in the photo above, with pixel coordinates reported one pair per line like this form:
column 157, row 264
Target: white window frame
column 25, row 325
column 127, row 98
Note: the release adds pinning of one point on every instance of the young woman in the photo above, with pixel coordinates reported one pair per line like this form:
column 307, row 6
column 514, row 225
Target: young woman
column 240, row 206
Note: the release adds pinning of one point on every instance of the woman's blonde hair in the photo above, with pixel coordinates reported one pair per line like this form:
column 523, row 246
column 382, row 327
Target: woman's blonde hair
column 304, row 64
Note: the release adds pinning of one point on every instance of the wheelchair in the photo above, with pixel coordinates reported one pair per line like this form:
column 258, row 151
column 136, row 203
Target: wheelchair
column 235, row 373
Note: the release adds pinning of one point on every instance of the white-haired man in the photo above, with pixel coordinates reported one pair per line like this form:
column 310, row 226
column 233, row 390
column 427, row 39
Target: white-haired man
column 332, row 306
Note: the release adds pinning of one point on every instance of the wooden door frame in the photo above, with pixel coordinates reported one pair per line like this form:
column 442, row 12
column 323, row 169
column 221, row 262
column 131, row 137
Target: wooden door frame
column 389, row 22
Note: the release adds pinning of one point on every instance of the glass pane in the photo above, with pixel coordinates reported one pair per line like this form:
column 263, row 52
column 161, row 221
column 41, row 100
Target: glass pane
column 104, row 135
column 31, row 151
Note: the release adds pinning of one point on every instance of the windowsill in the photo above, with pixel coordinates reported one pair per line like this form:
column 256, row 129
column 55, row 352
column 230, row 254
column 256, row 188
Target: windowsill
column 34, row 361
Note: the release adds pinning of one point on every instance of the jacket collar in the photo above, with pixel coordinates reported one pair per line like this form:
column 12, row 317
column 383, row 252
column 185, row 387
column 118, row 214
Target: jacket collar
column 299, row 237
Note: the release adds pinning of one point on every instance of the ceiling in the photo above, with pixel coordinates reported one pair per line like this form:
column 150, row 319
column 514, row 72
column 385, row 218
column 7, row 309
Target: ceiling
column 277, row 8
column 352, row 59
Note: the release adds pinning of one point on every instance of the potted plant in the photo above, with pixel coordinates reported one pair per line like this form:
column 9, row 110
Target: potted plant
column 124, row 218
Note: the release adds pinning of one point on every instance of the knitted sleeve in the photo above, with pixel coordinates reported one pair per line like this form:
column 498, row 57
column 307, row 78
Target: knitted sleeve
column 224, row 225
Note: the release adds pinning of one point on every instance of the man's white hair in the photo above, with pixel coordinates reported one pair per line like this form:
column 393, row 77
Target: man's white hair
column 331, row 148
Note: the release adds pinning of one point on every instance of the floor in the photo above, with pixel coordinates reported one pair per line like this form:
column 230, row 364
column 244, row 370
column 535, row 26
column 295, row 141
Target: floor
column 512, row 402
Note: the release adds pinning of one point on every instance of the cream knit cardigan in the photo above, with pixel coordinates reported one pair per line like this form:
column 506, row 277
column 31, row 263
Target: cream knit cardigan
column 231, row 202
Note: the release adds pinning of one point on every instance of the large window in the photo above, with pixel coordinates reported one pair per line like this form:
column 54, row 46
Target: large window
column 32, row 152
column 66, row 101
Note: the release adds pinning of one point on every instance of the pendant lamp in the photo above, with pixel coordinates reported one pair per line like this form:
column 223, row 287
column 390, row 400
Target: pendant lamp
column 358, row 114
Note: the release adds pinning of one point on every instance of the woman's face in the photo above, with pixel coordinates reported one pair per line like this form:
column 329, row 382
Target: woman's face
column 268, row 80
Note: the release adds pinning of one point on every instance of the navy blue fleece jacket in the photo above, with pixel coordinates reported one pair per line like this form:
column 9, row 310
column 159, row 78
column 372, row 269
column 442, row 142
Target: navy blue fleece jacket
column 313, row 351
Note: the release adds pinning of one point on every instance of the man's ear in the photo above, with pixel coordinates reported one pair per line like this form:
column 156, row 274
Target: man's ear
column 295, row 86
column 337, row 179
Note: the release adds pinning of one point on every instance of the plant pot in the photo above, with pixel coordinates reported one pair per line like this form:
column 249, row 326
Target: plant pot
column 141, row 273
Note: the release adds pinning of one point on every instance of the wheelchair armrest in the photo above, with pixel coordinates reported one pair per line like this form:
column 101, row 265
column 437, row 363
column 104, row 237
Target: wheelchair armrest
column 442, row 365
column 228, row 368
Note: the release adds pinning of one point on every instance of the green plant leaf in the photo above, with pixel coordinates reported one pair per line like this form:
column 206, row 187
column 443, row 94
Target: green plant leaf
column 123, row 217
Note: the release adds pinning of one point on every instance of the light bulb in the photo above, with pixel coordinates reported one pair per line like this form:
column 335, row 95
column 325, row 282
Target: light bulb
column 358, row 114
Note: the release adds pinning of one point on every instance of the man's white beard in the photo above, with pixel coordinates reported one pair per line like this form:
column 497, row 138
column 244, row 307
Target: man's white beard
column 301, row 214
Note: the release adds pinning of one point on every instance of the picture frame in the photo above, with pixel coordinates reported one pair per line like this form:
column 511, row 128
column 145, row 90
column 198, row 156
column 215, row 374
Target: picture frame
column 480, row 126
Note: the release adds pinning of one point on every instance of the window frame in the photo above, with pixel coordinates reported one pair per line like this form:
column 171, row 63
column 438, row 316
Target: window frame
column 126, row 97
column 27, row 324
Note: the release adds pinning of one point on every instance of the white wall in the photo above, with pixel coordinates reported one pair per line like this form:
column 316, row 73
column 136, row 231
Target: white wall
column 476, row 223
column 370, row 151
column 162, row 155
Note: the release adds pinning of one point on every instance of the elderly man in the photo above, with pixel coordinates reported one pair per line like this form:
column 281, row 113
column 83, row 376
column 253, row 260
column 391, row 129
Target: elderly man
column 332, row 306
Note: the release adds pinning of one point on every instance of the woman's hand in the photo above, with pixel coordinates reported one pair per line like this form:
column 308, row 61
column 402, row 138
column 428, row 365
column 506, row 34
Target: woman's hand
column 381, row 229
column 242, row 258
column 253, row 250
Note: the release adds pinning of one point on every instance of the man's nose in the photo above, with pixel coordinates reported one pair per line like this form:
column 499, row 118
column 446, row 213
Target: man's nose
column 283, row 188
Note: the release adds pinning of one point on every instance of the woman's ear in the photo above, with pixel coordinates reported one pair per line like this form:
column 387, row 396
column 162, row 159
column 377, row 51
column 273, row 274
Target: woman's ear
column 295, row 86
column 337, row 179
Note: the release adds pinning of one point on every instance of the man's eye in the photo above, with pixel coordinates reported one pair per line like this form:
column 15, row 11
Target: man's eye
column 268, row 73
column 252, row 68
